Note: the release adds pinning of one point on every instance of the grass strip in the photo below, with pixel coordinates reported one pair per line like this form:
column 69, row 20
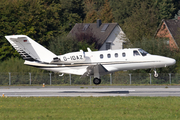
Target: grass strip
column 91, row 108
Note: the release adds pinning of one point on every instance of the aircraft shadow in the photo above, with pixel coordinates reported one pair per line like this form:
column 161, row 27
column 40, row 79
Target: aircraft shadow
column 105, row 92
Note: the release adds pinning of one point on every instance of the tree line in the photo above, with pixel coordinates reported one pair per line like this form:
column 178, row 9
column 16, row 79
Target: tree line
column 49, row 21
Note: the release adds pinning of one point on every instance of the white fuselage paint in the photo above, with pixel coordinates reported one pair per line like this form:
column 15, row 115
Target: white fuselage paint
column 113, row 60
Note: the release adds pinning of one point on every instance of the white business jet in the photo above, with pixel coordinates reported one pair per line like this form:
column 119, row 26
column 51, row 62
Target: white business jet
column 91, row 63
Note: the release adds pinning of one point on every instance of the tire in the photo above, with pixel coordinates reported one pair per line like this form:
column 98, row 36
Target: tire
column 96, row 81
column 155, row 75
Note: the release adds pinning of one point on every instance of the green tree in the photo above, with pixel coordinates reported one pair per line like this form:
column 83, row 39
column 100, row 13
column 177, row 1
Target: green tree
column 106, row 13
column 142, row 22
column 176, row 6
column 165, row 9
column 7, row 52
column 91, row 12
column 72, row 12
column 91, row 17
column 122, row 9
column 98, row 4
column 40, row 20
column 30, row 17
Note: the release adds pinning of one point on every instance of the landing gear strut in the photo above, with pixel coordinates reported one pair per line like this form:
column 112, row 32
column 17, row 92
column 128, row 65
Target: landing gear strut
column 155, row 73
column 97, row 81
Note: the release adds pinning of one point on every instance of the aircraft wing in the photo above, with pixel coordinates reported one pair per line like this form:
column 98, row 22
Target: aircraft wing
column 95, row 70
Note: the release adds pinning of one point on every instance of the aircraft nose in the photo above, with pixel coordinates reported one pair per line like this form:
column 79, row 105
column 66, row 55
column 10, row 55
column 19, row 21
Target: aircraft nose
column 170, row 61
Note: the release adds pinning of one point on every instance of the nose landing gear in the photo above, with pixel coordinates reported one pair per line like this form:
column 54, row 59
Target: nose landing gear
column 155, row 73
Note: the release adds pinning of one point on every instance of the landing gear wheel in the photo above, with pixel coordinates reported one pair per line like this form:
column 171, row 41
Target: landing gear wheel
column 156, row 75
column 96, row 81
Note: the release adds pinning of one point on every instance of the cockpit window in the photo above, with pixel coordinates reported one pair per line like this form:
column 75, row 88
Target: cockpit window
column 143, row 53
column 136, row 53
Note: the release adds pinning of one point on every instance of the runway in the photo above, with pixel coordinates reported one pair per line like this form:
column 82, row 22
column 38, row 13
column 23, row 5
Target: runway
column 88, row 91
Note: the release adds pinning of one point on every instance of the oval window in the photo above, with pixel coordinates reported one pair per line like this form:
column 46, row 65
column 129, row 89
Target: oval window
column 101, row 56
column 124, row 54
column 116, row 55
column 109, row 55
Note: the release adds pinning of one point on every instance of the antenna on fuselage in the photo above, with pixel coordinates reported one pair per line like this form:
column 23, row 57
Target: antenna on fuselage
column 89, row 50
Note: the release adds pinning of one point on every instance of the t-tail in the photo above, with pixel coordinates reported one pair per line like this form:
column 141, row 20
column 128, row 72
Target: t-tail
column 29, row 49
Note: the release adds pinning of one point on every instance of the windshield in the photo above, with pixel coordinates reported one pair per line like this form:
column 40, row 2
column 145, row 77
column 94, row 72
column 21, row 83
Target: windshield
column 143, row 53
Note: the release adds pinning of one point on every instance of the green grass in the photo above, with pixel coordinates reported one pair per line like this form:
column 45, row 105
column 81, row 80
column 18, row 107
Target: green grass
column 90, row 108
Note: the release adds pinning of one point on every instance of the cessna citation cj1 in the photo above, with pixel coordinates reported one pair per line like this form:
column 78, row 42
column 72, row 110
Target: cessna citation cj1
column 91, row 63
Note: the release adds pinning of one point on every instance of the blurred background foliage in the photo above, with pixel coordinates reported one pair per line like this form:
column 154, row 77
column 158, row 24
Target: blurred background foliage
column 49, row 21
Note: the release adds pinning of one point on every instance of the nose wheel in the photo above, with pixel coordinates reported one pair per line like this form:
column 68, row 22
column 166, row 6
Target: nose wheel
column 97, row 81
column 155, row 73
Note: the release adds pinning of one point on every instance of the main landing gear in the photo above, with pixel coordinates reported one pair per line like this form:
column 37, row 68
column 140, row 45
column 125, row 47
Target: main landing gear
column 97, row 81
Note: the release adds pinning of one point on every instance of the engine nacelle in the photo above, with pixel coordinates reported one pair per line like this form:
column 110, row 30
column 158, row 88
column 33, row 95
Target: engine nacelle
column 73, row 57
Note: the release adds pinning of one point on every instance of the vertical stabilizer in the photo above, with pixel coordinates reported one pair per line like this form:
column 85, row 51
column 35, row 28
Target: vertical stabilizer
column 29, row 49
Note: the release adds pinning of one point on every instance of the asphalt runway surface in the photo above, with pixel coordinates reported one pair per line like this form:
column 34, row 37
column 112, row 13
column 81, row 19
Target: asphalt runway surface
column 88, row 91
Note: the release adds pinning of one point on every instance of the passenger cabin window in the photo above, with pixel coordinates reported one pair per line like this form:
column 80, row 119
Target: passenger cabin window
column 109, row 55
column 101, row 56
column 143, row 53
column 116, row 55
column 136, row 53
column 124, row 54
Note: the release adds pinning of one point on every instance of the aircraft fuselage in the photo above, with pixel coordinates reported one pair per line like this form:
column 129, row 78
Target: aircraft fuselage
column 112, row 61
